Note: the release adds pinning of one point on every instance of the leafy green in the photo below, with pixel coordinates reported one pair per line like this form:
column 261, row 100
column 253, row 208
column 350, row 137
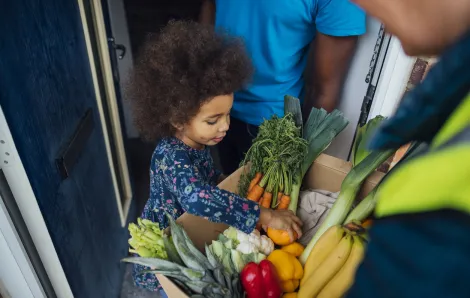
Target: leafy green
column 277, row 151
column 292, row 106
column 363, row 136
column 147, row 239
column 237, row 260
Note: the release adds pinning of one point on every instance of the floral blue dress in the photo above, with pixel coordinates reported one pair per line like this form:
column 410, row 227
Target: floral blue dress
column 183, row 179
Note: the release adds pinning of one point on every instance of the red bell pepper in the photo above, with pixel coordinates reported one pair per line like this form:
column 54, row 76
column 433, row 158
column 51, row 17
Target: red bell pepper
column 260, row 281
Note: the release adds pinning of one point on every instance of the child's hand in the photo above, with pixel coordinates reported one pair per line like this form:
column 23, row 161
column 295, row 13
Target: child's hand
column 281, row 220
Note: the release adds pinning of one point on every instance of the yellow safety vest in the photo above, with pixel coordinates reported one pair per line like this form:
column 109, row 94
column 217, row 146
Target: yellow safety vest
column 438, row 179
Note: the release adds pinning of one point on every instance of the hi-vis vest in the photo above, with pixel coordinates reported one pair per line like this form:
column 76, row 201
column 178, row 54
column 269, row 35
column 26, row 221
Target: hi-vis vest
column 438, row 179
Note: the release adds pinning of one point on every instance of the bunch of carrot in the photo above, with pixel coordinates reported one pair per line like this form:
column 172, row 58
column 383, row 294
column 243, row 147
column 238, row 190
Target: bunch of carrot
column 275, row 159
column 261, row 190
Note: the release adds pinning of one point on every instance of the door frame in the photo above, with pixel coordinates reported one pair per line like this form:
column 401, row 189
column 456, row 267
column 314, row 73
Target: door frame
column 393, row 79
column 17, row 270
column 91, row 13
column 25, row 198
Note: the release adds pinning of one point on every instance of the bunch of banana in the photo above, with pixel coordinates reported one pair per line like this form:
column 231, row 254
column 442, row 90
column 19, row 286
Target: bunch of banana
column 331, row 266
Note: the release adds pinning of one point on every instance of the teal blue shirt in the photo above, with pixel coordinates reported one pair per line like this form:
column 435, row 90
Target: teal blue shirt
column 277, row 34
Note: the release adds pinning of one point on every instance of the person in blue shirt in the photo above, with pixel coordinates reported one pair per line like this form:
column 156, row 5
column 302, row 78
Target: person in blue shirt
column 285, row 39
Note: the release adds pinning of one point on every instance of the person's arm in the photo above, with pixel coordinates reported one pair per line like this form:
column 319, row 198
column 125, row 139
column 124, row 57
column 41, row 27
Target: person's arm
column 338, row 24
column 207, row 14
column 218, row 205
column 328, row 64
column 209, row 201
column 416, row 255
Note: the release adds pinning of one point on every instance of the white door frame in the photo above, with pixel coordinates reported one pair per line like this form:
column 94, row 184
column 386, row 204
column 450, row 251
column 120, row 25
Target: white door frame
column 123, row 201
column 17, row 274
column 21, row 189
column 392, row 82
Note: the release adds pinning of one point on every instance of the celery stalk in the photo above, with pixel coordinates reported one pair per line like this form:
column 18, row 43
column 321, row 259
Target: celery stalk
column 349, row 189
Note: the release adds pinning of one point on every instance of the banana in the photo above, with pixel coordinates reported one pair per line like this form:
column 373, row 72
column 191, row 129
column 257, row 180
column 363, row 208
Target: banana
column 327, row 242
column 341, row 282
column 327, row 269
column 355, row 226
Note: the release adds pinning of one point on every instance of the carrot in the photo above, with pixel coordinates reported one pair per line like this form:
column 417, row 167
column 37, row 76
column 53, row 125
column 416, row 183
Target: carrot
column 266, row 200
column 260, row 202
column 255, row 193
column 255, row 180
column 284, row 202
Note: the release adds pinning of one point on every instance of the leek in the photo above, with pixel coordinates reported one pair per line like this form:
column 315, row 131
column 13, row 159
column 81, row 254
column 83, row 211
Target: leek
column 367, row 205
column 349, row 189
column 292, row 106
column 319, row 131
column 363, row 136
column 364, row 208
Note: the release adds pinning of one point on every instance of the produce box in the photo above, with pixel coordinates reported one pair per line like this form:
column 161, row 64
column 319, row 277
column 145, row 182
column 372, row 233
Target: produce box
column 327, row 173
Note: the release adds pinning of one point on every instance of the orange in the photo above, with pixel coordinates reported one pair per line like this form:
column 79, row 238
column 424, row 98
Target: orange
column 280, row 237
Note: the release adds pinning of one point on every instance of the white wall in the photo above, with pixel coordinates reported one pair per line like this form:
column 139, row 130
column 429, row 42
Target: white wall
column 355, row 89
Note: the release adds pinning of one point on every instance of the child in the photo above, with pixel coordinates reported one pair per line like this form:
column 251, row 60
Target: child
column 182, row 90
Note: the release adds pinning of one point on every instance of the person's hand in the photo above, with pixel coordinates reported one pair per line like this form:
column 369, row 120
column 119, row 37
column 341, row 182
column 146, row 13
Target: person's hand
column 281, row 220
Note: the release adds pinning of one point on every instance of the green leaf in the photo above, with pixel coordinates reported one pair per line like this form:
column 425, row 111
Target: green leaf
column 292, row 106
column 363, row 136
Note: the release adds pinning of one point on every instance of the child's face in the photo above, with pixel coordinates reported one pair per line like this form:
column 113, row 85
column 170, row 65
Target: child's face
column 210, row 125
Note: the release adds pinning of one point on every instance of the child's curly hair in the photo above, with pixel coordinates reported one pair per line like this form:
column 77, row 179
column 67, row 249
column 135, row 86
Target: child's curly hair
column 183, row 67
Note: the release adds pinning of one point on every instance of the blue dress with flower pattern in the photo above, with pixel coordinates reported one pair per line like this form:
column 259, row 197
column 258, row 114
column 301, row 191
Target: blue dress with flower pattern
column 183, row 179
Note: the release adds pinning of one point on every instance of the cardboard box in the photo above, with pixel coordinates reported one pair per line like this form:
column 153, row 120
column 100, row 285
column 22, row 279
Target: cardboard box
column 326, row 173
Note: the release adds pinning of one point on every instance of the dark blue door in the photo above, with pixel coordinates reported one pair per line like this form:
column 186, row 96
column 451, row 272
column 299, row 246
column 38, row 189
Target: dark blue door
column 47, row 95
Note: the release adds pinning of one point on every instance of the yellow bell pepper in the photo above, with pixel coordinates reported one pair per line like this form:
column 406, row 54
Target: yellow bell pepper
column 290, row 295
column 294, row 249
column 288, row 269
